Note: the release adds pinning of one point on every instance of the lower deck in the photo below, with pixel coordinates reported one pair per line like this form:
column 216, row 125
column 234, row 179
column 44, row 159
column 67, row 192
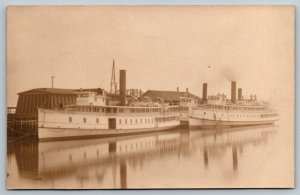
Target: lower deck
column 60, row 124
column 46, row 134
column 234, row 116
column 205, row 123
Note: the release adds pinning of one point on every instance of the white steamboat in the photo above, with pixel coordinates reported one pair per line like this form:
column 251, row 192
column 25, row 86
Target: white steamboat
column 93, row 115
column 218, row 111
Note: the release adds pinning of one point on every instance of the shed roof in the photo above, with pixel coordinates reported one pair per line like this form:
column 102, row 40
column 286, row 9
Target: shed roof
column 56, row 91
column 48, row 90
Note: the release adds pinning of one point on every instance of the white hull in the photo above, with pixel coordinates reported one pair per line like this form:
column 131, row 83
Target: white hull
column 56, row 124
column 206, row 123
column 54, row 134
column 207, row 117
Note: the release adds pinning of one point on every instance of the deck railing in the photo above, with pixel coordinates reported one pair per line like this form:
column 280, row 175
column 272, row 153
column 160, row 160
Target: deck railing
column 160, row 113
column 11, row 110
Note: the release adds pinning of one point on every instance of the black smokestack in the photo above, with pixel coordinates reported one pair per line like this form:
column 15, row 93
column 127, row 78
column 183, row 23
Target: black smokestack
column 204, row 92
column 233, row 92
column 240, row 94
column 187, row 92
column 122, row 87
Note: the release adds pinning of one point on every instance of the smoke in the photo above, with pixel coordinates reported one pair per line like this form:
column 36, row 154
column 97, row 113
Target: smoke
column 229, row 74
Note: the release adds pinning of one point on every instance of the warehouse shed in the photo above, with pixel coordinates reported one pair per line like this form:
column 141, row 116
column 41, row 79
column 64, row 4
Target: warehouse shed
column 50, row 98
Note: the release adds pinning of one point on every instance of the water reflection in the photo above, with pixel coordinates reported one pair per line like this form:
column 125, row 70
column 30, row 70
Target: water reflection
column 110, row 162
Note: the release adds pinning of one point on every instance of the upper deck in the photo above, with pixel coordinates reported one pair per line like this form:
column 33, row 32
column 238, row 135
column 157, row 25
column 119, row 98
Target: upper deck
column 219, row 102
column 119, row 110
column 235, row 107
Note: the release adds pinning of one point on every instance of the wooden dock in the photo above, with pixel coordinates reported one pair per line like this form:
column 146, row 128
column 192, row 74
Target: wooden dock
column 20, row 126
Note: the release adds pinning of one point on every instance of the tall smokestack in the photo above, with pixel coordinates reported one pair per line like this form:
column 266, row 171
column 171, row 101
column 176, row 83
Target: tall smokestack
column 240, row 94
column 177, row 89
column 122, row 94
column 233, row 92
column 204, row 92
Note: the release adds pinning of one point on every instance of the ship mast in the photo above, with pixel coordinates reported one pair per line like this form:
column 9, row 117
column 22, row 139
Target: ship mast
column 113, row 83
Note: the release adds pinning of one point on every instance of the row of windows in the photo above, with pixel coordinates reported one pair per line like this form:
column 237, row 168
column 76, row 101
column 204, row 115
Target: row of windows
column 189, row 101
column 244, row 115
column 240, row 115
column 136, row 121
column 84, row 120
column 183, row 108
column 172, row 118
column 221, row 107
column 268, row 115
column 120, row 110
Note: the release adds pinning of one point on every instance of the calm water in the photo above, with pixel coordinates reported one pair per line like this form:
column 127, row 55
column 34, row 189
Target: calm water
column 182, row 158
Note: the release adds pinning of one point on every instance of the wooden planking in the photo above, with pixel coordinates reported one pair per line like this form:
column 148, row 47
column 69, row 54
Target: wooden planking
column 69, row 99
column 35, row 99
column 44, row 101
column 18, row 105
column 52, row 101
column 34, row 103
column 63, row 100
column 25, row 104
column 40, row 101
column 28, row 103
column 18, row 110
column 47, row 99
column 55, row 101
column 73, row 99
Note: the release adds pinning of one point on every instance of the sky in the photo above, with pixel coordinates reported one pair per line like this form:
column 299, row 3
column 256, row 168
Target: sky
column 161, row 48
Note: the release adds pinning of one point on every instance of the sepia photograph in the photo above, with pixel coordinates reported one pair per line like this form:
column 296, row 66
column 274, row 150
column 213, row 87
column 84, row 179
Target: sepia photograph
column 150, row 97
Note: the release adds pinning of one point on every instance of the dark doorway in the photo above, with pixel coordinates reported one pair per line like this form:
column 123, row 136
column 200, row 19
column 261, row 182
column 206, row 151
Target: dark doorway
column 112, row 123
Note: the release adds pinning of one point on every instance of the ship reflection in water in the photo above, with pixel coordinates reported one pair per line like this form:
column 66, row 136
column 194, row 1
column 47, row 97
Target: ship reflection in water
column 181, row 158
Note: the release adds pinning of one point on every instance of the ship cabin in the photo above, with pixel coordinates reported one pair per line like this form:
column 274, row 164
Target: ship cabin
column 90, row 98
column 186, row 102
column 219, row 99
column 219, row 102
column 92, row 102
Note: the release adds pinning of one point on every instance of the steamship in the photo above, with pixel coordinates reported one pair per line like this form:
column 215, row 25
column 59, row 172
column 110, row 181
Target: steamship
column 94, row 115
column 218, row 111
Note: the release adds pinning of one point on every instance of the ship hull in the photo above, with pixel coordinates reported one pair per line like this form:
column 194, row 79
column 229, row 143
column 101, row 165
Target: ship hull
column 206, row 123
column 45, row 134
column 64, row 125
